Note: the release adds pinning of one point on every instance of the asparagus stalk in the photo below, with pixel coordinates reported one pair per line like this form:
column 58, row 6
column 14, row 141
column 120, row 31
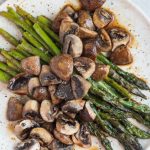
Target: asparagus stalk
column 12, row 11
column 4, row 77
column 44, row 20
column 12, row 66
column 22, row 51
column 15, row 54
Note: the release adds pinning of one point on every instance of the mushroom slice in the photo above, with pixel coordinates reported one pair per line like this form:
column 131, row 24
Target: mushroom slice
column 48, row 111
column 42, row 135
column 66, row 125
column 31, row 109
column 14, row 109
column 101, row 72
column 62, row 66
column 47, row 77
column 121, row 55
column 91, row 5
column 32, row 84
column 30, row 144
column 119, row 36
column 85, row 20
column 66, row 139
column 71, row 108
column 31, row 65
column 23, row 128
column 103, row 42
column 73, row 46
column 102, row 18
column 82, row 137
column 87, row 114
column 18, row 84
column 69, row 10
column 85, row 66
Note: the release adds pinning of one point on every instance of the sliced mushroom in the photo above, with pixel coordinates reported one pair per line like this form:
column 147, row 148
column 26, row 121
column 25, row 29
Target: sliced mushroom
column 32, row 84
column 18, row 84
column 31, row 109
column 62, row 66
column 14, row 109
column 31, row 65
column 119, row 36
column 102, row 18
column 48, row 111
column 23, row 128
column 85, row 20
column 30, row 144
column 80, row 86
column 52, row 91
column 63, row 138
column 91, row 5
column 85, row 66
column 69, row 10
column 121, row 55
column 103, row 42
column 71, row 108
column 44, row 148
column 82, row 137
column 48, row 126
column 73, row 45
column 101, row 72
column 42, row 135
column 47, row 77
column 87, row 114
column 66, row 125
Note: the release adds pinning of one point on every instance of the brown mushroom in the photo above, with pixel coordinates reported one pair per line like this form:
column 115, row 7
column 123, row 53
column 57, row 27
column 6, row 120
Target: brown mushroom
column 62, row 66
column 85, row 20
column 121, row 55
column 91, row 5
column 14, row 109
column 73, row 45
column 85, row 66
column 102, row 18
column 31, row 65
column 101, row 72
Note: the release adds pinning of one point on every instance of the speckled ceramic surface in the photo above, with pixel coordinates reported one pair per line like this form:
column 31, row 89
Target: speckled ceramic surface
column 127, row 14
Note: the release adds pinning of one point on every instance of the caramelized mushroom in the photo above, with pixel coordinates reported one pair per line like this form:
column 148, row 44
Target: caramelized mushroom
column 121, row 55
column 62, row 66
column 31, row 65
column 102, row 18
column 14, row 109
column 85, row 20
column 73, row 45
column 101, row 72
column 66, row 125
column 85, row 66
column 48, row 111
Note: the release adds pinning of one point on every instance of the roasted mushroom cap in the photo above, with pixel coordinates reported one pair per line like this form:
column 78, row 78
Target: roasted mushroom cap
column 85, row 66
column 18, row 84
column 71, row 108
column 42, row 135
column 80, row 86
column 82, row 137
column 119, row 37
column 66, row 125
column 31, row 65
column 62, row 66
column 87, row 114
column 47, row 77
column 121, row 56
column 73, row 46
column 48, row 111
column 14, row 109
column 23, row 128
column 91, row 5
column 102, row 18
column 101, row 72
column 103, row 41
column 66, row 139
column 30, row 144
column 85, row 20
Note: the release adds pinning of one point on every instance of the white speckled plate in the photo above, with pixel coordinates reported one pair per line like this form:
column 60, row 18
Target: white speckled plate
column 127, row 14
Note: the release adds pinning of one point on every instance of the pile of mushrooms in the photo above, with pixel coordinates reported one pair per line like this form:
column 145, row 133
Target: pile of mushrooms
column 47, row 119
